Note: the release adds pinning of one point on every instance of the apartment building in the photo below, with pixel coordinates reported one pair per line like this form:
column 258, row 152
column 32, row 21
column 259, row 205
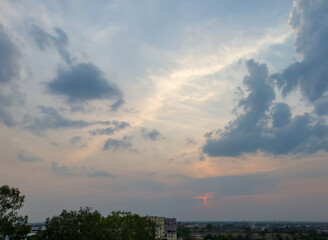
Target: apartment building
column 166, row 228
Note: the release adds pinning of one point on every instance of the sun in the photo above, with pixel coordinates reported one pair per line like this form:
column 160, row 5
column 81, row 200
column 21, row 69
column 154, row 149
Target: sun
column 205, row 197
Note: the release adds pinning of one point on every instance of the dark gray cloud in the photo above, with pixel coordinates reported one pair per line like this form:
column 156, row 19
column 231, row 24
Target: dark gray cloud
column 110, row 130
column 75, row 139
column 309, row 20
column 102, row 131
column 59, row 41
column 9, row 57
column 22, row 157
column 252, row 132
column 82, row 82
column 306, row 133
column 100, row 174
column 116, row 105
column 85, row 82
column 12, row 98
column 281, row 115
column 9, row 76
column 61, row 170
column 208, row 134
column 64, row 170
column 115, row 144
column 321, row 106
column 152, row 135
column 6, row 117
column 52, row 119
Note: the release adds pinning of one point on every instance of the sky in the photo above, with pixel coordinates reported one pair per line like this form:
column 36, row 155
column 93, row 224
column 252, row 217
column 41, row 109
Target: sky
column 199, row 110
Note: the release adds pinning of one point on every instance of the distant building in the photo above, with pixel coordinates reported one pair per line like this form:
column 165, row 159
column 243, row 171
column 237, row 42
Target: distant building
column 170, row 229
column 159, row 228
column 166, row 228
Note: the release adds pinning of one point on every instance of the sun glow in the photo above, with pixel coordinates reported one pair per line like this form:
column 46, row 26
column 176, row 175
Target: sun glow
column 205, row 197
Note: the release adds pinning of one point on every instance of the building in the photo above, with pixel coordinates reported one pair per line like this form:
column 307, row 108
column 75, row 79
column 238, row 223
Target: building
column 170, row 229
column 159, row 228
column 166, row 228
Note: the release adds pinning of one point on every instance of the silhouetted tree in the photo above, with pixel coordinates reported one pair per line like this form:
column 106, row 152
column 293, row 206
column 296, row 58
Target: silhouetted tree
column 11, row 224
column 127, row 226
column 90, row 225
column 184, row 232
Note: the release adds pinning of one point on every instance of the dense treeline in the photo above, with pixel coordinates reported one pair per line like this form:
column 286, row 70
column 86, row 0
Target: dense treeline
column 211, row 232
column 83, row 224
column 86, row 224
column 273, row 236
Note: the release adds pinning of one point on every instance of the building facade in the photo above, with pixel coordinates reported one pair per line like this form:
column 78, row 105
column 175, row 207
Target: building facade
column 166, row 228
column 170, row 229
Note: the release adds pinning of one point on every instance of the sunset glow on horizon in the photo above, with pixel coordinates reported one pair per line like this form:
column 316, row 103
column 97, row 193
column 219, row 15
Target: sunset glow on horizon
column 205, row 197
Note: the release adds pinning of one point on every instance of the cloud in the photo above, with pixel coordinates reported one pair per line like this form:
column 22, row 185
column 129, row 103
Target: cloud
column 97, row 174
column 114, row 144
column 22, row 157
column 81, row 82
column 252, row 132
column 306, row 133
column 190, row 141
column 236, row 185
column 61, row 170
column 9, row 76
column 10, row 98
column 59, row 41
column 75, row 139
column 85, row 82
column 310, row 23
column 102, row 131
column 281, row 115
column 152, row 135
column 52, row 119
column 6, row 117
column 9, row 57
column 110, row 130
column 116, row 105
column 151, row 185
column 76, row 171
column 208, row 134
column 321, row 106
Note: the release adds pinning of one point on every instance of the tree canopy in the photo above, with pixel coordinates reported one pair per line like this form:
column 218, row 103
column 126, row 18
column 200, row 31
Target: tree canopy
column 86, row 224
column 11, row 223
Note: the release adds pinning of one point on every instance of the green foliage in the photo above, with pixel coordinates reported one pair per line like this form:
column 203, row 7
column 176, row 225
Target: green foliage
column 184, row 232
column 209, row 227
column 128, row 226
column 82, row 224
column 11, row 224
column 87, row 225
column 210, row 237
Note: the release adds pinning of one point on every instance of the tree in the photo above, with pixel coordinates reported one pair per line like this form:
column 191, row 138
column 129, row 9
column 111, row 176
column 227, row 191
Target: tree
column 210, row 237
column 263, row 233
column 11, row 224
column 127, row 226
column 72, row 225
column 184, row 232
column 223, row 237
column 209, row 227
column 86, row 224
